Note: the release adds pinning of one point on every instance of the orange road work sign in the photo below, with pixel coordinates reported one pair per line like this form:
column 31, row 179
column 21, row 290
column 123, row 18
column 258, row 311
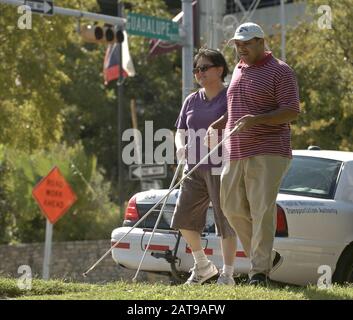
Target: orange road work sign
column 54, row 195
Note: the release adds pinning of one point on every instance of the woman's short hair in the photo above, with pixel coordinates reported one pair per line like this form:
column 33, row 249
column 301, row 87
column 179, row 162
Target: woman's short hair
column 215, row 56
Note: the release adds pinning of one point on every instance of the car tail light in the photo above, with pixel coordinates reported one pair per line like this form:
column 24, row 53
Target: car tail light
column 282, row 227
column 131, row 212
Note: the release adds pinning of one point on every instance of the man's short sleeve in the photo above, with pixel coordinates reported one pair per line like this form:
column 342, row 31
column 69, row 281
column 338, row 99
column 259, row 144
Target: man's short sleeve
column 286, row 90
column 181, row 121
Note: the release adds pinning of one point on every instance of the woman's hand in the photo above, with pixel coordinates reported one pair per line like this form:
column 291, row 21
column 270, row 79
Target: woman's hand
column 181, row 153
column 211, row 137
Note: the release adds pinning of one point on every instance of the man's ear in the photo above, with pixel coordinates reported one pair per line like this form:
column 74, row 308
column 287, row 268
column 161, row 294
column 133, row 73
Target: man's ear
column 262, row 42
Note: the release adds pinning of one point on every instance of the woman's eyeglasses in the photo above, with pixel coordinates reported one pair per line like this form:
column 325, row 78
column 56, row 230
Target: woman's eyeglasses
column 202, row 68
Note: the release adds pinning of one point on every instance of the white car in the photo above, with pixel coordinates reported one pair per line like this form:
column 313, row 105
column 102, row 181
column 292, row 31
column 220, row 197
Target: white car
column 314, row 226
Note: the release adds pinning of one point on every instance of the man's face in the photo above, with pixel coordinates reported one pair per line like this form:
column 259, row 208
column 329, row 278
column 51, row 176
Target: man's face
column 250, row 51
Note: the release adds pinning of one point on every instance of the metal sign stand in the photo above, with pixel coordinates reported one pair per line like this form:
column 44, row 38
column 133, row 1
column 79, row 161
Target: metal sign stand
column 47, row 250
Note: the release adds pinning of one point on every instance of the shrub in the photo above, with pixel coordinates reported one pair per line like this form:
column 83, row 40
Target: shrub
column 93, row 216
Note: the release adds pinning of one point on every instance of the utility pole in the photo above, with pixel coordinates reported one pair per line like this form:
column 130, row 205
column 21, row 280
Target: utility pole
column 188, row 48
column 120, row 113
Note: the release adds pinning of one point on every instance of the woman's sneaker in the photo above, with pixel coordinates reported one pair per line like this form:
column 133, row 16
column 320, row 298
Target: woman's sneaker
column 200, row 275
column 225, row 279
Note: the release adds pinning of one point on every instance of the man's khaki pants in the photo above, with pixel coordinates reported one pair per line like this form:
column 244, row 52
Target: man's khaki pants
column 249, row 189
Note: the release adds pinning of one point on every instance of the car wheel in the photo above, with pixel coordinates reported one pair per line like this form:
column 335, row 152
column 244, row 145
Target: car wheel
column 344, row 269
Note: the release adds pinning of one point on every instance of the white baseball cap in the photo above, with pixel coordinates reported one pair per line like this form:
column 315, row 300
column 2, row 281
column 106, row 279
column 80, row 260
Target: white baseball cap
column 247, row 31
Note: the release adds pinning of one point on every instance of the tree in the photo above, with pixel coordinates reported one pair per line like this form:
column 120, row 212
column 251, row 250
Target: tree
column 92, row 112
column 52, row 98
column 30, row 79
column 322, row 59
column 33, row 114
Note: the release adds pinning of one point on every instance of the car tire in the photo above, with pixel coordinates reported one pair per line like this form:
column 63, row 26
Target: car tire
column 344, row 268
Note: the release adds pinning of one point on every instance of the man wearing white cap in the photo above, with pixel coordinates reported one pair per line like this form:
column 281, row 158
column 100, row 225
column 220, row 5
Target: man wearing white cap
column 262, row 99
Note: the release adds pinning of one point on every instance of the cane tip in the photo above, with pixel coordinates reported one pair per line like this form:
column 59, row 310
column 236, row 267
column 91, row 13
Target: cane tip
column 84, row 274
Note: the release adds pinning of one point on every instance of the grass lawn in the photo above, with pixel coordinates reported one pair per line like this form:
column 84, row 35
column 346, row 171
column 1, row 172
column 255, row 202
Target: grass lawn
column 57, row 290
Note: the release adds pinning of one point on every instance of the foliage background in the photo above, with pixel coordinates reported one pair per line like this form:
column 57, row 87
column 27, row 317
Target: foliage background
column 55, row 110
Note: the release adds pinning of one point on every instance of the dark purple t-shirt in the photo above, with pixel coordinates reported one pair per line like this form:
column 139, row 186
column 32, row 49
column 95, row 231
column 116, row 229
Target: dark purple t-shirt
column 195, row 116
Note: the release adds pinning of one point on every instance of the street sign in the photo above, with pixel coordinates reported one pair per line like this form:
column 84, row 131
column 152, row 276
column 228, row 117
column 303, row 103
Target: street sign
column 153, row 184
column 41, row 6
column 147, row 171
column 152, row 27
column 54, row 195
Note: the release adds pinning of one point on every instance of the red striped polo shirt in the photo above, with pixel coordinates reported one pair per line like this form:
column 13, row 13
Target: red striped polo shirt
column 263, row 87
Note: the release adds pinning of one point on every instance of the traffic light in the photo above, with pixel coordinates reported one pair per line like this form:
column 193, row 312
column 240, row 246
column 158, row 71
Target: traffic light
column 101, row 35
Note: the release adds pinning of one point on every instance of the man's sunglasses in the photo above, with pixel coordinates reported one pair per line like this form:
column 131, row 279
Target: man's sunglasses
column 203, row 68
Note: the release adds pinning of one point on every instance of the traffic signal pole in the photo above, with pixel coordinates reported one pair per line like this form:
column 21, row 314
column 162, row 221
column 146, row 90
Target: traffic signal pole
column 117, row 21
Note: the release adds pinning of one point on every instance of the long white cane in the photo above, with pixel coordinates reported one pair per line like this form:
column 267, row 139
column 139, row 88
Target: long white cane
column 180, row 164
column 233, row 131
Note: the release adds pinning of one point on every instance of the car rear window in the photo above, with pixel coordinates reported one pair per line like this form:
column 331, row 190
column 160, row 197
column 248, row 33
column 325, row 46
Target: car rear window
column 311, row 176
